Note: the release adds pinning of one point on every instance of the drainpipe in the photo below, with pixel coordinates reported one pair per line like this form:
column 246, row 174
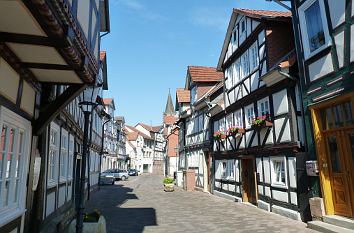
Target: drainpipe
column 102, row 142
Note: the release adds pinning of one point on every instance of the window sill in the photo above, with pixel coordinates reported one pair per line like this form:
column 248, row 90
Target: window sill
column 317, row 51
column 10, row 214
column 279, row 185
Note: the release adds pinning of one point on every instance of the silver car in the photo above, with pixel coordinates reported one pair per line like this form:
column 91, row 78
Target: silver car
column 118, row 174
column 107, row 177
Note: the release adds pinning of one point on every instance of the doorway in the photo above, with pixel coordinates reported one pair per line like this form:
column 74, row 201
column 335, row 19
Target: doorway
column 333, row 125
column 340, row 145
column 249, row 185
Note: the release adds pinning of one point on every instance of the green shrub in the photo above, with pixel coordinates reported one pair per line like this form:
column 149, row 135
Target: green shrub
column 92, row 217
column 168, row 180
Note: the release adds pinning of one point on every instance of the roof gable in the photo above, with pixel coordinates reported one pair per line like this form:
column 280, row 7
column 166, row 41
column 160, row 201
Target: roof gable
column 259, row 15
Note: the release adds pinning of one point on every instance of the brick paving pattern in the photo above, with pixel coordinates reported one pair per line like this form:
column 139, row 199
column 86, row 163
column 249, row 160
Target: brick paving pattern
column 140, row 205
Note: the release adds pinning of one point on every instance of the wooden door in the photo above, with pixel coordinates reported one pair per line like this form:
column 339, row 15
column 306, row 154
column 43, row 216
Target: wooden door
column 349, row 161
column 249, row 192
column 336, row 153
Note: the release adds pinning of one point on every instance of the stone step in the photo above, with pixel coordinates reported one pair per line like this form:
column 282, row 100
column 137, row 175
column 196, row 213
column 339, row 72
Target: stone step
column 327, row 228
column 339, row 221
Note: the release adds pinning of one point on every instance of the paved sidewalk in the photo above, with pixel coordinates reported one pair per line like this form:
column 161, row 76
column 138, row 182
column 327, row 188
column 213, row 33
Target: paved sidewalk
column 141, row 205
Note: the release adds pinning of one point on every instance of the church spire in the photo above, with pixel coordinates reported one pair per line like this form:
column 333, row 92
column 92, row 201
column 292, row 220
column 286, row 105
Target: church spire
column 169, row 105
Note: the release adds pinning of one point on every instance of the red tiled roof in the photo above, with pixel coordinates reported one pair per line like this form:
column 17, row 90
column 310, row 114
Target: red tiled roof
column 137, row 133
column 183, row 96
column 205, row 74
column 132, row 136
column 107, row 101
column 102, row 55
column 154, row 129
column 263, row 13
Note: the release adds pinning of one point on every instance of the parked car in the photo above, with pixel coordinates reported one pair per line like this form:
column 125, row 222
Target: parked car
column 121, row 174
column 133, row 172
column 107, row 177
column 118, row 174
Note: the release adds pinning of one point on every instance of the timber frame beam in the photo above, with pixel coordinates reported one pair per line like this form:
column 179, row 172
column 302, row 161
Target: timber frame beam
column 54, row 108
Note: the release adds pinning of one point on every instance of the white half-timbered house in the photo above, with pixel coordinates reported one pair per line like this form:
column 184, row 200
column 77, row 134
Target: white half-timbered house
column 324, row 35
column 199, row 81
column 258, row 137
column 44, row 46
column 110, row 157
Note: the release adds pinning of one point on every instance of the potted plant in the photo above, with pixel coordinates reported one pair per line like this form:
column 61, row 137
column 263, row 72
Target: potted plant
column 260, row 122
column 233, row 130
column 168, row 185
column 94, row 222
column 218, row 135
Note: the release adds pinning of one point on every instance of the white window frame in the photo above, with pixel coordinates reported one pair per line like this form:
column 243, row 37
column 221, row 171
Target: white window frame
column 54, row 181
column 243, row 33
column 249, row 117
column 253, row 57
column 274, row 181
column 238, row 119
column 303, row 26
column 265, row 102
column 11, row 212
column 194, row 94
column 70, row 157
column 64, row 151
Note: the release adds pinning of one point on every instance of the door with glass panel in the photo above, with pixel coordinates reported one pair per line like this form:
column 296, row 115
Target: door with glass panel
column 338, row 132
column 338, row 174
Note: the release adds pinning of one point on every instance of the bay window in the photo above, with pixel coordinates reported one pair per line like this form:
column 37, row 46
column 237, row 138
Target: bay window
column 314, row 27
column 14, row 157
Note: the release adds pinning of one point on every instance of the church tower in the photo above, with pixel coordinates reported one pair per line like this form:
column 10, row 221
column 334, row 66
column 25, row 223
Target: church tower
column 169, row 116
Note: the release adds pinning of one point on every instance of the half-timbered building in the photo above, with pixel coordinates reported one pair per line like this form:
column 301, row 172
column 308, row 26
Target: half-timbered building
column 258, row 137
column 199, row 81
column 324, row 34
column 49, row 52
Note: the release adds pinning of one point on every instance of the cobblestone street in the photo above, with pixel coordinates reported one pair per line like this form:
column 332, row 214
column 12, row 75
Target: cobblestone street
column 140, row 205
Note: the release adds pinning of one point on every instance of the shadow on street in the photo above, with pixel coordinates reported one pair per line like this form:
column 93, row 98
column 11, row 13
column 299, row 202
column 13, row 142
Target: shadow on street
column 108, row 201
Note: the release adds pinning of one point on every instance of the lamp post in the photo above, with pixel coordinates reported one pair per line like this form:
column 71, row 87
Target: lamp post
column 87, row 104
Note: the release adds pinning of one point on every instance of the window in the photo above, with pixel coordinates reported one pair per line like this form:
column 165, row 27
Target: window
column 238, row 118
column 53, row 155
column 314, row 28
column 249, row 115
column 70, row 157
column 63, row 155
column 278, row 170
column 263, row 107
column 245, row 64
column 193, row 94
column 243, row 26
column 228, row 170
column 14, row 157
column 253, row 53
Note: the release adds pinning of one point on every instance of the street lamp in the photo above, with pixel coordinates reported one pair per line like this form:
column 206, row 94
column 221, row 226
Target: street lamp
column 87, row 104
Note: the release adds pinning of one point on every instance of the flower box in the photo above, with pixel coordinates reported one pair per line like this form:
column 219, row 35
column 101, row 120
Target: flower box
column 261, row 122
column 234, row 130
column 218, row 135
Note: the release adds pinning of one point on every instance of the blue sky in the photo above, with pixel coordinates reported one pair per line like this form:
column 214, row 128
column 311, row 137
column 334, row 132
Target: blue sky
column 153, row 41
